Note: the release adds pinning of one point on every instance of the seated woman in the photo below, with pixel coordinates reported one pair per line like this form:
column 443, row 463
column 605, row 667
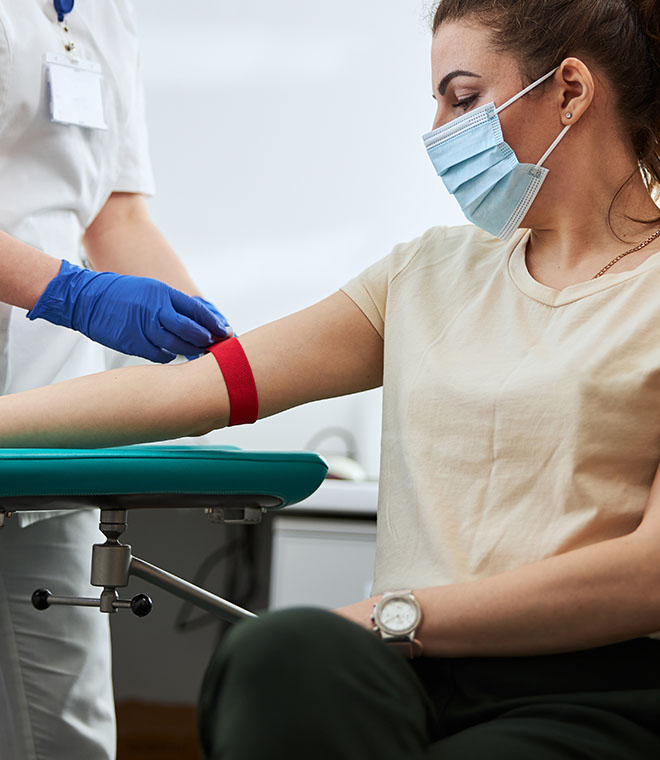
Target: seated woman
column 518, row 549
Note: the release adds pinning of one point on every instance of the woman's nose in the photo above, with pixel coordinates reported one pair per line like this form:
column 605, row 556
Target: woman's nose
column 441, row 117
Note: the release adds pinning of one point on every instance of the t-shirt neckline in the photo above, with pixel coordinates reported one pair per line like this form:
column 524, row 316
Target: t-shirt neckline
column 549, row 296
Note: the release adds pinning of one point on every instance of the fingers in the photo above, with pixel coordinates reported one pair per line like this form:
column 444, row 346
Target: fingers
column 211, row 307
column 230, row 334
column 189, row 333
column 182, row 329
column 205, row 315
column 167, row 335
column 154, row 354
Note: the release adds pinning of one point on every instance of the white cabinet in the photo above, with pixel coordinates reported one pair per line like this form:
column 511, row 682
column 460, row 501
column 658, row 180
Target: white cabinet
column 324, row 548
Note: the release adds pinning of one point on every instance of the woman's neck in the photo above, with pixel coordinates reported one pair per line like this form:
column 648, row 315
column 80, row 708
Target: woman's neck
column 586, row 236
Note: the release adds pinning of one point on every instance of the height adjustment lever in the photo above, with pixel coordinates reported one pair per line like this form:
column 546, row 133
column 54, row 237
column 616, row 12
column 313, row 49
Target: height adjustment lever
column 140, row 605
column 112, row 565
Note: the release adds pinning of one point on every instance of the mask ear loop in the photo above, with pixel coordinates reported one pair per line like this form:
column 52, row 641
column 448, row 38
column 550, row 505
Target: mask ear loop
column 526, row 90
column 558, row 139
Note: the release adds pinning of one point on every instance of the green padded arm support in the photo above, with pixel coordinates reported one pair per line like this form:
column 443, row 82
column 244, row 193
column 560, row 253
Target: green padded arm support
column 282, row 478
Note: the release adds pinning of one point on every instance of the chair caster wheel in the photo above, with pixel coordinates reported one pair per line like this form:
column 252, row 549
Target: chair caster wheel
column 141, row 605
column 40, row 599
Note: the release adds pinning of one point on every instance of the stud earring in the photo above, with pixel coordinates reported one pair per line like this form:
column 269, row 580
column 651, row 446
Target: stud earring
column 569, row 115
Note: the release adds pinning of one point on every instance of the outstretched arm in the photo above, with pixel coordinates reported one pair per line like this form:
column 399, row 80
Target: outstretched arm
column 329, row 349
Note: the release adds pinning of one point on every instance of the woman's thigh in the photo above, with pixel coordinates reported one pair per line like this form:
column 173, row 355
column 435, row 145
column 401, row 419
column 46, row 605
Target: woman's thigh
column 600, row 704
column 308, row 683
column 318, row 685
column 551, row 732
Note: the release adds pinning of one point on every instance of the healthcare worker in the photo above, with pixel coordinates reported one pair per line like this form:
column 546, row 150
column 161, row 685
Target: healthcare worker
column 74, row 170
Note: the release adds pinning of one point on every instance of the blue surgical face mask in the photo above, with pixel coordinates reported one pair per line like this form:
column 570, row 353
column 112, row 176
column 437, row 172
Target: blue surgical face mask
column 492, row 187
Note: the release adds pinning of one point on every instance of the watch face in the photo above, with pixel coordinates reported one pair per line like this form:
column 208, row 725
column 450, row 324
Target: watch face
column 399, row 615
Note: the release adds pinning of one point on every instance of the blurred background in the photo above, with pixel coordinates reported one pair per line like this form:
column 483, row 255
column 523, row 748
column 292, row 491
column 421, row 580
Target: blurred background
column 286, row 144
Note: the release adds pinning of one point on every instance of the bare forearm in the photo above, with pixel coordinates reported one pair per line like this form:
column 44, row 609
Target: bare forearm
column 125, row 406
column 24, row 272
column 123, row 239
column 300, row 358
column 590, row 597
column 586, row 598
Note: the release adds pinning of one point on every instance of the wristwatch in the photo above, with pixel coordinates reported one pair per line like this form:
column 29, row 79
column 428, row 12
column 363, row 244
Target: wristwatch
column 397, row 616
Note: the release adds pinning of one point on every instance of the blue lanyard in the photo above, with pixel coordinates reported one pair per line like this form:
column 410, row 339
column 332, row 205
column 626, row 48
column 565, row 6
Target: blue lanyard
column 63, row 7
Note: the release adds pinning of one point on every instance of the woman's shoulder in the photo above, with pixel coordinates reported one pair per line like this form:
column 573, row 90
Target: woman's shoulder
column 440, row 258
column 438, row 248
column 441, row 247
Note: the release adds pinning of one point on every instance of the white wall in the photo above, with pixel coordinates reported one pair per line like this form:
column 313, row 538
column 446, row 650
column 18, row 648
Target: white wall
column 286, row 141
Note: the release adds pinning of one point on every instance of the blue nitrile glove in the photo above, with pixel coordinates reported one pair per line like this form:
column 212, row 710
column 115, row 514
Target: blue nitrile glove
column 221, row 317
column 211, row 307
column 134, row 315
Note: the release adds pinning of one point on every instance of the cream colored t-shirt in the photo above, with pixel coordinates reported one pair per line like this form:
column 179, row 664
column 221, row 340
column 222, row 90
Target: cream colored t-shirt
column 519, row 421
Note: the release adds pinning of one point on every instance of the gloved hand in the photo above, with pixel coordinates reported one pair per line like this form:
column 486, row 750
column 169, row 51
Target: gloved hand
column 135, row 315
column 211, row 307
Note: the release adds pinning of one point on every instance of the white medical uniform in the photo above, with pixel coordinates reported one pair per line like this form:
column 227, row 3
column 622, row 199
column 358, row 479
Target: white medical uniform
column 54, row 180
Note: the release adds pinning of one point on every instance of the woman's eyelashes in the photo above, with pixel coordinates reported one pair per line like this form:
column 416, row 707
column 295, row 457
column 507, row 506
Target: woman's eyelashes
column 466, row 102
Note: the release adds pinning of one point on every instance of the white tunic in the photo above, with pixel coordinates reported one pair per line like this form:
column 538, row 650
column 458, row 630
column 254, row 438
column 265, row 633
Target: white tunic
column 54, row 178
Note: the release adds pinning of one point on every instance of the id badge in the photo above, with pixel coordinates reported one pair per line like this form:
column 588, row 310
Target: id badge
column 74, row 91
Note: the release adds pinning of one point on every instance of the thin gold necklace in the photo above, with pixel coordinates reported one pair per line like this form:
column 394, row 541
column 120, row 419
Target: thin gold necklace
column 632, row 250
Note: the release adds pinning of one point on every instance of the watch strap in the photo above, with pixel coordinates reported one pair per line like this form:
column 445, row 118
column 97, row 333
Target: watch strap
column 408, row 648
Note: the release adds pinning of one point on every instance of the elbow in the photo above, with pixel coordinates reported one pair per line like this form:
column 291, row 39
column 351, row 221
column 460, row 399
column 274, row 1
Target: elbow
column 207, row 424
column 201, row 431
column 645, row 579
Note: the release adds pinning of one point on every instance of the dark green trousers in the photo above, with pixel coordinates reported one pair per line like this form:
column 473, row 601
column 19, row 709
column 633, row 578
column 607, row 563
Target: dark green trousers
column 304, row 683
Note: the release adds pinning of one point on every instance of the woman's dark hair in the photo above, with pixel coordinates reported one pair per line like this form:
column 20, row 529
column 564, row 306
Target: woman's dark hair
column 619, row 37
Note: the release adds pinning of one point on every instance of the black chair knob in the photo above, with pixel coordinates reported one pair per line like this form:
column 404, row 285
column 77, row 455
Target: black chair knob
column 40, row 599
column 141, row 605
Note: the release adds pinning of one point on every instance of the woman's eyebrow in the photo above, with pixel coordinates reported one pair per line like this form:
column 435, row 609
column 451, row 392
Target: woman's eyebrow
column 442, row 87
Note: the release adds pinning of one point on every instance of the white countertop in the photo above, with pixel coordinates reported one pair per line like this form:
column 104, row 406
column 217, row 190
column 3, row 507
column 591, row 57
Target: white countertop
column 341, row 497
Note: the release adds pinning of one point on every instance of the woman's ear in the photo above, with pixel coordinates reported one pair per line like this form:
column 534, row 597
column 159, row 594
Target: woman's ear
column 576, row 90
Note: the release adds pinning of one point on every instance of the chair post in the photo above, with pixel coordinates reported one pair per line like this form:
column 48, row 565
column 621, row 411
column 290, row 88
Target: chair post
column 113, row 563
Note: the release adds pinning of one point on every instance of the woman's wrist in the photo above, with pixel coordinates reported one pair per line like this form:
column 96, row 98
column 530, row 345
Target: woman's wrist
column 359, row 612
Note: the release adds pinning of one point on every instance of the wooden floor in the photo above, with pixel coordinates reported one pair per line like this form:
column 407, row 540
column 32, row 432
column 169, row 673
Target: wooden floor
column 156, row 732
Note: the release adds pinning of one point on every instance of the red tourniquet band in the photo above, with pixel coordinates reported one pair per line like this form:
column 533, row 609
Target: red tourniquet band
column 235, row 368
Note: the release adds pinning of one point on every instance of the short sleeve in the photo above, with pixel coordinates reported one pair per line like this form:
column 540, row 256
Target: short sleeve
column 370, row 289
column 134, row 172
